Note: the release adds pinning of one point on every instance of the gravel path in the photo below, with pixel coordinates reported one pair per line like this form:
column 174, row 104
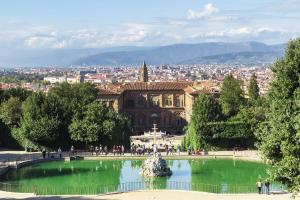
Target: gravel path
column 154, row 195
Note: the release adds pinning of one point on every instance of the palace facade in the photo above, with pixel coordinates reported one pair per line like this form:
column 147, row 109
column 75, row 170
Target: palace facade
column 167, row 104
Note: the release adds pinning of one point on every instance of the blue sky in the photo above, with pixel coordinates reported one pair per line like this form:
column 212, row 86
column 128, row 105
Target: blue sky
column 35, row 24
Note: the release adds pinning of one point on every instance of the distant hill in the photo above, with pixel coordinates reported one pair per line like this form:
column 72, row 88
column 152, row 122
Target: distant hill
column 218, row 52
column 246, row 58
column 56, row 57
column 190, row 54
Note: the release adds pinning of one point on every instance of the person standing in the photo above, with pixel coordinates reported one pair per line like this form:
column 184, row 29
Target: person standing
column 100, row 149
column 123, row 149
column 72, row 150
column 59, row 152
column 97, row 150
column 259, row 186
column 44, row 153
column 267, row 184
column 178, row 149
column 167, row 150
column 114, row 150
column 105, row 150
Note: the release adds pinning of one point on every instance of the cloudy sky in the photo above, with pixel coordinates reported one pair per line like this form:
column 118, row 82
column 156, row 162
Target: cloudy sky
column 38, row 24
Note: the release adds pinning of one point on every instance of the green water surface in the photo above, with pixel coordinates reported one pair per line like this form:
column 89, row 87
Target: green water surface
column 101, row 176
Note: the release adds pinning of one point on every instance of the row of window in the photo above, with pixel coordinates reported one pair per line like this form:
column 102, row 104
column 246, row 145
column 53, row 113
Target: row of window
column 155, row 102
column 141, row 120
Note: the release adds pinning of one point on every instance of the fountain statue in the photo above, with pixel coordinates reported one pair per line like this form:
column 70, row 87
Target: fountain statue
column 155, row 165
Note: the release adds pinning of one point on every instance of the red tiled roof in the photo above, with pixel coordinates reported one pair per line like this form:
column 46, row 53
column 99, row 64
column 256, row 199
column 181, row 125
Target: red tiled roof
column 188, row 87
column 107, row 92
column 206, row 90
column 155, row 86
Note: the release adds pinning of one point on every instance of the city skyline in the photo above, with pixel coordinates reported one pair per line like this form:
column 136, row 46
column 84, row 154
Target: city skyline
column 79, row 24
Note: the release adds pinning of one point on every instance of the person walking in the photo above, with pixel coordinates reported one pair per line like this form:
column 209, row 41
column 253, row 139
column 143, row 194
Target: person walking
column 267, row 185
column 259, row 186
column 178, row 149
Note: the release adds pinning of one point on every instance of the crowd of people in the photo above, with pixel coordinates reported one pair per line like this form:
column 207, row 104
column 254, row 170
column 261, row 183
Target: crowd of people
column 98, row 150
column 135, row 149
column 142, row 149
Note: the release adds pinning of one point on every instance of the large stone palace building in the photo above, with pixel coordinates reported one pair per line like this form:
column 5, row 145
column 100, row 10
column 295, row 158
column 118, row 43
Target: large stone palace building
column 167, row 104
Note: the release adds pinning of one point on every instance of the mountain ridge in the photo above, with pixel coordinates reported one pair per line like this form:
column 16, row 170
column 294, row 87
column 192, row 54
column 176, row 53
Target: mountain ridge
column 178, row 53
column 133, row 55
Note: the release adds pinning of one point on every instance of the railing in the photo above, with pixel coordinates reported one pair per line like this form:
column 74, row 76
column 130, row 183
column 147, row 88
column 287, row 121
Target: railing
column 133, row 186
column 16, row 160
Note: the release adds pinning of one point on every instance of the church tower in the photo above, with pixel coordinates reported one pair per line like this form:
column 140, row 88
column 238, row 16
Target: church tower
column 143, row 73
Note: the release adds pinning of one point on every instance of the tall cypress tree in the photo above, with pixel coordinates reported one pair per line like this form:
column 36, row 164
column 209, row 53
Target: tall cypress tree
column 231, row 96
column 205, row 109
column 280, row 133
column 253, row 90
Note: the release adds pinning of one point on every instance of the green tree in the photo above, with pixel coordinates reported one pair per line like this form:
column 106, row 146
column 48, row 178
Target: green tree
column 205, row 109
column 21, row 93
column 98, row 124
column 231, row 97
column 10, row 112
column 253, row 90
column 41, row 123
column 73, row 98
column 280, row 133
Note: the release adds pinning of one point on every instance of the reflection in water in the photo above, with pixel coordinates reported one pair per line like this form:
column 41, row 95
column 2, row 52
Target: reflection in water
column 93, row 177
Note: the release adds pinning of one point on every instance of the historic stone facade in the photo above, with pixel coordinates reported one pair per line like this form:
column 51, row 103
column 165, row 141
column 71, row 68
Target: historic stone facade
column 167, row 104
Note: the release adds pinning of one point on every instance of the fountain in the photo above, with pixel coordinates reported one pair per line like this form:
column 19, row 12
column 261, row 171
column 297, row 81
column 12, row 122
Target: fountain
column 155, row 165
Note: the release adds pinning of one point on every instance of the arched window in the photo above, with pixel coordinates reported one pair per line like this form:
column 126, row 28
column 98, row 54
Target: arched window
column 167, row 120
column 154, row 119
column 142, row 120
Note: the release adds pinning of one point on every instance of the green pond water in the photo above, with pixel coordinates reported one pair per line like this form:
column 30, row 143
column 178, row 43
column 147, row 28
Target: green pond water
column 102, row 176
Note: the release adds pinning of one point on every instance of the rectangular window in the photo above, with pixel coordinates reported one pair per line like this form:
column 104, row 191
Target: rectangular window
column 154, row 101
column 130, row 103
column 177, row 101
column 168, row 101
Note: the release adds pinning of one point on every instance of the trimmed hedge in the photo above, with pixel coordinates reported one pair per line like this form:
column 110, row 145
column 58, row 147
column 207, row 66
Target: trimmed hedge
column 230, row 134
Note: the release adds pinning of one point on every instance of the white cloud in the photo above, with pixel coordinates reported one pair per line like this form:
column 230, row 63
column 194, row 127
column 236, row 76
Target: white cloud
column 40, row 42
column 161, row 31
column 209, row 9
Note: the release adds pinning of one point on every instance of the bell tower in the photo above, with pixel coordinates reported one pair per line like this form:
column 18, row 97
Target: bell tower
column 144, row 73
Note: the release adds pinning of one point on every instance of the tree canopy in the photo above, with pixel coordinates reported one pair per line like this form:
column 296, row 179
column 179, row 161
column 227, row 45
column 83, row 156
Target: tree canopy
column 41, row 122
column 93, row 125
column 10, row 111
column 280, row 133
column 67, row 115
